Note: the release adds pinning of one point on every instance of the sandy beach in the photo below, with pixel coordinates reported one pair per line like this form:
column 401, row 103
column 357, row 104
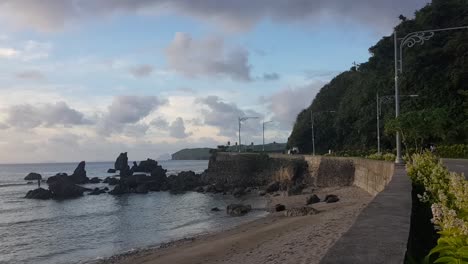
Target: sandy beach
column 273, row 239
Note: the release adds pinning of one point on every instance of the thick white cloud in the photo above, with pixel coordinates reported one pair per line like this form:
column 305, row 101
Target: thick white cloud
column 225, row 116
column 286, row 104
column 126, row 110
column 237, row 15
column 31, row 116
column 177, row 129
column 207, row 57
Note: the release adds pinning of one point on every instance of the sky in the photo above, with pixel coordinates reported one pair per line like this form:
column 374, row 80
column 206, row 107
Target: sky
column 88, row 79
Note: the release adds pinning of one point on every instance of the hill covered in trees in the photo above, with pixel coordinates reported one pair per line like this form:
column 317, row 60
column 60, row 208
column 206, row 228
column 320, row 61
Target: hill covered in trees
column 192, row 154
column 437, row 71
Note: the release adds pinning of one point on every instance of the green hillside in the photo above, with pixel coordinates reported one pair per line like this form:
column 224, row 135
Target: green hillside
column 192, row 154
column 437, row 71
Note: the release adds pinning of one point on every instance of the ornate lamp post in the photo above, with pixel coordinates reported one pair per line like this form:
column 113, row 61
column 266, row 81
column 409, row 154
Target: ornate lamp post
column 410, row 40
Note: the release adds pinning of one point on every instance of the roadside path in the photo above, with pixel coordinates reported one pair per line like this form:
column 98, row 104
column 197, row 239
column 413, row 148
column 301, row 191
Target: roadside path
column 457, row 165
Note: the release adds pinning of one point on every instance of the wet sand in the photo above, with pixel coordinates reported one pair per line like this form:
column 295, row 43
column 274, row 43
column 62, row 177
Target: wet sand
column 273, row 239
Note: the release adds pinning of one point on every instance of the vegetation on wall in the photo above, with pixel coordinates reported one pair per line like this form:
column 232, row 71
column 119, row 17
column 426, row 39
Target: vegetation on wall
column 436, row 71
column 446, row 193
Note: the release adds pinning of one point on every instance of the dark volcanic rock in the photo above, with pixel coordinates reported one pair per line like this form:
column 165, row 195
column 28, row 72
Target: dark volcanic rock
column 121, row 164
column 312, row 199
column 209, row 189
column 111, row 171
column 238, row 192
column 147, row 166
column 273, row 187
column 95, row 180
column 280, row 207
column 111, row 181
column 199, row 189
column 33, row 177
column 79, row 175
column 215, row 209
column 238, row 209
column 120, row 189
column 40, row 193
column 331, row 198
column 56, row 177
column 184, row 181
column 141, row 188
column 97, row 191
column 62, row 187
column 262, row 193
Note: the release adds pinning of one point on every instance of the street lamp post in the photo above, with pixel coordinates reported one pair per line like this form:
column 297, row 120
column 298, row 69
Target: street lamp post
column 380, row 100
column 240, row 119
column 312, row 121
column 410, row 40
column 263, row 126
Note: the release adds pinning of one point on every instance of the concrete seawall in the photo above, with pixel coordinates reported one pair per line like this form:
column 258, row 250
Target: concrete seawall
column 379, row 234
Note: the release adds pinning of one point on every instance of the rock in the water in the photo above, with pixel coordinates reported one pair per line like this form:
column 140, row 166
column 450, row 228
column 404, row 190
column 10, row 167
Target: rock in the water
column 147, row 166
column 33, row 177
column 215, row 209
column 301, row 211
column 238, row 192
column 62, row 187
column 238, row 209
column 262, row 193
column 142, row 188
column 79, row 175
column 331, row 198
column 111, row 181
column 95, row 180
column 96, row 191
column 199, row 189
column 184, row 181
column 280, row 207
column 121, row 164
column 56, row 177
column 209, row 189
column 120, row 189
column 273, row 187
column 312, row 199
column 111, row 171
column 39, row 193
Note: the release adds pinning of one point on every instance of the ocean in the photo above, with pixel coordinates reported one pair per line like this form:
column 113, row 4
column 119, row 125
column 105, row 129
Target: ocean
column 89, row 228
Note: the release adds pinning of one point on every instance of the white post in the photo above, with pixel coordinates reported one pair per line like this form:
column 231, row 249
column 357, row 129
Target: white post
column 397, row 100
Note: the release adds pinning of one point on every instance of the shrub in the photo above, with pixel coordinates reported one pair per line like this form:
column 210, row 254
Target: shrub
column 454, row 151
column 447, row 193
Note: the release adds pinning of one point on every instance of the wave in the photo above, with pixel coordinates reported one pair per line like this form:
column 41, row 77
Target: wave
column 2, row 185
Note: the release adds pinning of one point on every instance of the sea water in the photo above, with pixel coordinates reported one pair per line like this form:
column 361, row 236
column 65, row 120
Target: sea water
column 92, row 227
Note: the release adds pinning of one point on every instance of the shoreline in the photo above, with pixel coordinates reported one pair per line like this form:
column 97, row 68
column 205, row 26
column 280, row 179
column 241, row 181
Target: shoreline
column 273, row 238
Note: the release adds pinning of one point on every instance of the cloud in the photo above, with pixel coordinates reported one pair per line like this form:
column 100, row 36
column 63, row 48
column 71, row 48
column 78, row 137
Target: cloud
column 207, row 57
column 177, row 129
column 234, row 15
column 271, row 76
column 27, row 51
column 8, row 53
column 127, row 110
column 286, row 104
column 31, row 116
column 160, row 122
column 225, row 116
column 33, row 75
column 144, row 70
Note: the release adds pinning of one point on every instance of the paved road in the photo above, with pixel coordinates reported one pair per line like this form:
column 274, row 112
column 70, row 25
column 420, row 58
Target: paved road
column 457, row 165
